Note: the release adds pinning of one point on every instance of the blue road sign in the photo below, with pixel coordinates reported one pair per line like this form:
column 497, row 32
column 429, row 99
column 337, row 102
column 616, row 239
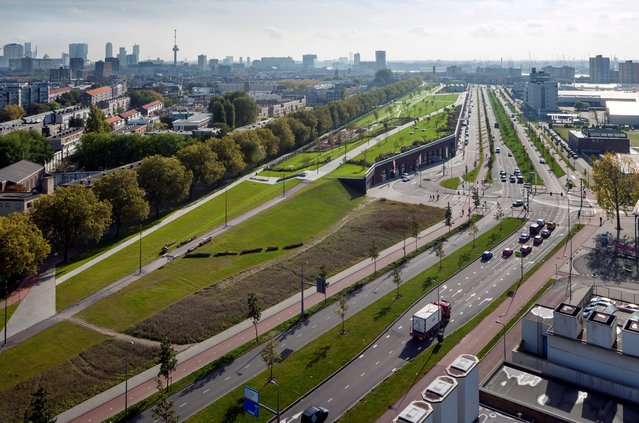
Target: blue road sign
column 251, row 401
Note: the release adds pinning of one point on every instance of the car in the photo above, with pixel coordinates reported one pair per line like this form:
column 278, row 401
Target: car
column 507, row 252
column 405, row 178
column 542, row 161
column 551, row 226
column 545, row 233
column 541, row 223
column 525, row 249
column 497, row 150
column 587, row 312
column 537, row 240
column 314, row 414
column 503, row 178
column 520, row 179
column 486, row 255
column 604, row 304
column 518, row 203
column 502, row 172
column 602, row 300
column 510, row 154
column 513, row 179
column 524, row 237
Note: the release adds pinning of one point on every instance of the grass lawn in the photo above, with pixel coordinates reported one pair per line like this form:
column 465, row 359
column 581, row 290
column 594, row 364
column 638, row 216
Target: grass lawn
column 634, row 138
column 307, row 367
column 303, row 217
column 391, row 110
column 429, row 104
column 563, row 132
column 451, row 183
column 11, row 309
column 44, row 350
column 425, row 130
column 241, row 199
column 349, row 170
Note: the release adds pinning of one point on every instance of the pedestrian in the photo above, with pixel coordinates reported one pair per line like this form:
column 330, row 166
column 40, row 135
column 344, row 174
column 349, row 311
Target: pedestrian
column 437, row 197
column 600, row 221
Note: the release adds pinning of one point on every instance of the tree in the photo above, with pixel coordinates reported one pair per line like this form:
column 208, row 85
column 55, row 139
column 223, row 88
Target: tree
column 223, row 110
column 39, row 410
column 472, row 230
column 230, row 154
column 163, row 179
column 448, row 216
column 96, row 122
column 24, row 145
column 373, row 253
column 142, row 97
column 414, row 229
column 121, row 189
column 167, row 360
column 499, row 215
column 164, row 410
column 11, row 112
column 439, row 252
column 269, row 354
column 342, row 309
column 37, row 108
column 476, row 199
column 397, row 280
column 22, row 246
column 70, row 215
column 251, row 146
column 203, row 164
column 616, row 184
column 282, row 130
column 254, row 312
column 246, row 109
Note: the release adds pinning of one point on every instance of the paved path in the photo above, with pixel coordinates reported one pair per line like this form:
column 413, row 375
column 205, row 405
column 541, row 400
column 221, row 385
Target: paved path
column 476, row 339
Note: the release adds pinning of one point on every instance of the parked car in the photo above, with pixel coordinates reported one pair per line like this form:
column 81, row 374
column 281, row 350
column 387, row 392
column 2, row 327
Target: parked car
column 537, row 240
column 507, row 252
column 524, row 237
column 518, row 203
column 545, row 233
column 602, row 300
column 486, row 255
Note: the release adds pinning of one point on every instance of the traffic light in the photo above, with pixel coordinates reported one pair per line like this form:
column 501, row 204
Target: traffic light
column 321, row 284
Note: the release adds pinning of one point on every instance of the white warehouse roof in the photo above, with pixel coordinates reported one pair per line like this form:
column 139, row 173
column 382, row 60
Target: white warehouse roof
column 622, row 108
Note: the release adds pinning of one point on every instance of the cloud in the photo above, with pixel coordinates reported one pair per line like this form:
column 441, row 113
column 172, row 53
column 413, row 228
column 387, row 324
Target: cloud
column 420, row 30
column 484, row 31
column 325, row 34
column 275, row 32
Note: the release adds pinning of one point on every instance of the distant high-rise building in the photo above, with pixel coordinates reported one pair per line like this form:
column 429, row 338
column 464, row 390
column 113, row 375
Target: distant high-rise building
column 175, row 47
column 136, row 53
column 202, row 61
column 76, row 64
column 102, row 70
column 13, row 51
column 108, row 50
column 599, row 69
column 27, row 50
column 380, row 59
column 122, row 57
column 357, row 58
column 308, row 60
column 248, row 61
column 130, row 59
column 79, row 50
column 115, row 64
column 65, row 59
column 629, row 72
column 541, row 92
column 60, row 75
column 561, row 74
column 228, row 60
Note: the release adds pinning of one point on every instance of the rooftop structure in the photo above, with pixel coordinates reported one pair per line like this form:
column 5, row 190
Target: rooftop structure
column 599, row 140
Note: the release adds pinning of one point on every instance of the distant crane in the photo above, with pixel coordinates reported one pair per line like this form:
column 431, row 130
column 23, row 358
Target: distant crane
column 175, row 47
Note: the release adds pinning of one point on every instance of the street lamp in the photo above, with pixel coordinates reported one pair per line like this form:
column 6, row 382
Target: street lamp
column 140, row 251
column 6, row 298
column 126, row 377
column 302, row 288
column 504, row 338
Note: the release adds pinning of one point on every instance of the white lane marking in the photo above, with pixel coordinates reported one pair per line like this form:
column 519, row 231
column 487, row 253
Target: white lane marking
column 485, row 300
column 247, row 366
column 313, row 327
column 206, row 391
column 390, row 352
column 375, row 346
column 400, row 327
column 182, row 405
column 330, row 399
column 361, row 356
column 362, row 374
column 377, row 363
column 299, row 335
column 387, row 336
column 346, row 387
column 394, row 369
column 458, row 292
column 227, row 378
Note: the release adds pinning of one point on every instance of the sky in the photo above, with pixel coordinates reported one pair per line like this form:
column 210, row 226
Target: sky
column 407, row 29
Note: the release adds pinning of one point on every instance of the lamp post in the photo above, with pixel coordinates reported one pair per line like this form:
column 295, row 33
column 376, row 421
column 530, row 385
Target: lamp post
column 226, row 207
column 504, row 338
column 126, row 377
column 6, row 298
column 302, row 289
column 140, row 243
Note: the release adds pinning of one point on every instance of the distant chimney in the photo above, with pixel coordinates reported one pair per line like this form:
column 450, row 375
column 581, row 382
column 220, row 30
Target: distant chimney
column 601, row 329
column 442, row 396
column 630, row 338
column 466, row 371
column 567, row 321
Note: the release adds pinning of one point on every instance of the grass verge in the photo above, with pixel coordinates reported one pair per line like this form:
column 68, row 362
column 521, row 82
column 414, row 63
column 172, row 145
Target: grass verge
column 303, row 369
column 198, row 221
column 545, row 153
column 452, row 183
column 304, row 216
column 11, row 309
column 372, row 406
column 44, row 350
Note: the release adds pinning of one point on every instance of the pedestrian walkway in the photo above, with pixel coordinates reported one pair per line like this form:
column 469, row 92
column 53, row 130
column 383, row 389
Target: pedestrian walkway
column 479, row 337
column 143, row 385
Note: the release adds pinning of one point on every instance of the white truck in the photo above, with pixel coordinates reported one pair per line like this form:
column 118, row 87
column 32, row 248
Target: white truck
column 427, row 321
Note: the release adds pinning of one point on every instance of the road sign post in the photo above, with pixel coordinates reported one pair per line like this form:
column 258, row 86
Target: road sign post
column 251, row 401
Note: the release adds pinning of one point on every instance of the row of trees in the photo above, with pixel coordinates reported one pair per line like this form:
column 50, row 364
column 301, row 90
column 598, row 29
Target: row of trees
column 24, row 145
column 234, row 109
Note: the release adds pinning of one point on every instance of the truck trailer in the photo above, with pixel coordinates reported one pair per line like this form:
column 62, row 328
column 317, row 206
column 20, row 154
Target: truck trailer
column 427, row 321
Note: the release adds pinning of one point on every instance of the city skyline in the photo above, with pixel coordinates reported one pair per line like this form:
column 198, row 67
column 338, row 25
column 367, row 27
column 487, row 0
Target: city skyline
column 407, row 30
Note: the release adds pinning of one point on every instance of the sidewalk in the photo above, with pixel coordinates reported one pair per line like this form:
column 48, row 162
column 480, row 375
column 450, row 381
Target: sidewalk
column 143, row 385
column 475, row 340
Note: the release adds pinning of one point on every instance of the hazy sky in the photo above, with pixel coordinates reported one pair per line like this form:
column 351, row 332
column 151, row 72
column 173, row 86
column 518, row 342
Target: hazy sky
column 417, row 29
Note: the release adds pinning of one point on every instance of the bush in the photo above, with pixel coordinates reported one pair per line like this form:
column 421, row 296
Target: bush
column 197, row 255
column 272, row 249
column 251, row 251
column 291, row 246
column 224, row 253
